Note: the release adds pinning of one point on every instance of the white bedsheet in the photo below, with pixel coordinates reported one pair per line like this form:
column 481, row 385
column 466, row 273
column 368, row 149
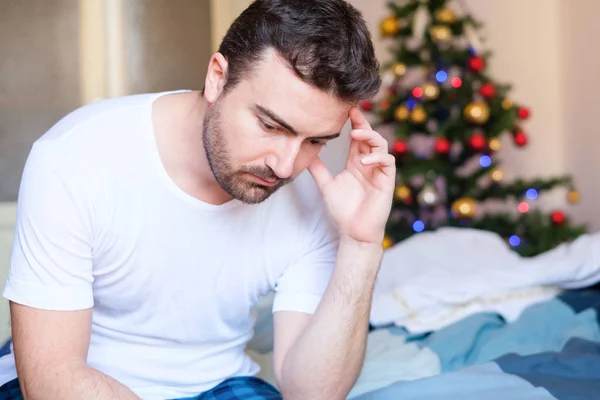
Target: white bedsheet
column 436, row 278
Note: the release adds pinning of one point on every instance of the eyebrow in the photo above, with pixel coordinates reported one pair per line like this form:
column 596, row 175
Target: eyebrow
column 287, row 126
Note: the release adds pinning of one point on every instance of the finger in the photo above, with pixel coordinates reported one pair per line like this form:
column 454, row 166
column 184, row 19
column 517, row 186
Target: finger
column 358, row 120
column 374, row 139
column 319, row 172
column 386, row 161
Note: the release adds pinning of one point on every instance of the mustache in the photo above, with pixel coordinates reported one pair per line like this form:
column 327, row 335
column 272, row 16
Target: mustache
column 265, row 172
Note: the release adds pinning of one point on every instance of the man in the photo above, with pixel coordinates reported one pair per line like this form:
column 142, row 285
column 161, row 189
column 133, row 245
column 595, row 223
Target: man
column 148, row 226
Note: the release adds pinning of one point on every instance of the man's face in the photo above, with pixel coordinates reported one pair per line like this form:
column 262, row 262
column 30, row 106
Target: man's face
column 267, row 130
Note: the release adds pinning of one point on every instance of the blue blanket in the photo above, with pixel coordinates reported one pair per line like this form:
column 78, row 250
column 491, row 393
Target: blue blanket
column 552, row 352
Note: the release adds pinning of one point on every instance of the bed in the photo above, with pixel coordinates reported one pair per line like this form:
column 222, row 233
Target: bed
column 548, row 350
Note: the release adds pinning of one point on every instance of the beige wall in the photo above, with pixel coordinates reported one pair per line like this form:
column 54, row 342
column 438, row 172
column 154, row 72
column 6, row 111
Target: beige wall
column 580, row 55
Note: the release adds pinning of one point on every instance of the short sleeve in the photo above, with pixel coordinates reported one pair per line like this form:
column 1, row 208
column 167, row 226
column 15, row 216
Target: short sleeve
column 51, row 261
column 302, row 284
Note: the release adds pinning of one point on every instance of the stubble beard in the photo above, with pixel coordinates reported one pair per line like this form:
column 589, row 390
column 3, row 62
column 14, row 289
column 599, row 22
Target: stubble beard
column 234, row 182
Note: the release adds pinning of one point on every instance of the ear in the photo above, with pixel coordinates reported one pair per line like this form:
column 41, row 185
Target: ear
column 216, row 77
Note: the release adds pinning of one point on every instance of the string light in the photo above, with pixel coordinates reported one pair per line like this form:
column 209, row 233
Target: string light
column 514, row 240
column 441, row 76
column 410, row 104
column 417, row 92
column 418, row 226
column 485, row 161
column 523, row 207
column 456, row 82
column 531, row 194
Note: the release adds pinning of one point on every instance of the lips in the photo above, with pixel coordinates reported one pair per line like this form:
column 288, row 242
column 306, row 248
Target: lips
column 264, row 182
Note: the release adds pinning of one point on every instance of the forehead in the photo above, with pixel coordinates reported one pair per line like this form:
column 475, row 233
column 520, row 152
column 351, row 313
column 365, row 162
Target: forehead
column 274, row 85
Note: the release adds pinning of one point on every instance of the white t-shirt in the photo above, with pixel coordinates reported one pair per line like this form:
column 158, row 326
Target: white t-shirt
column 172, row 280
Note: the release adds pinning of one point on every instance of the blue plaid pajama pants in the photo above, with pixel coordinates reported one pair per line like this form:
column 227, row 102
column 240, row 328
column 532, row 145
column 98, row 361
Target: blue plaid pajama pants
column 238, row 388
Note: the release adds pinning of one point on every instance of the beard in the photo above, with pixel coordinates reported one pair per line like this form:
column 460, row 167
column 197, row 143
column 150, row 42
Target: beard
column 233, row 181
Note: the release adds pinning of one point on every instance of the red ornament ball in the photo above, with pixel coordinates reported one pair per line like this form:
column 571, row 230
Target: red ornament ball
column 523, row 113
column 442, row 146
column 400, row 147
column 487, row 90
column 476, row 63
column 558, row 217
column 520, row 138
column 366, row 105
column 477, row 142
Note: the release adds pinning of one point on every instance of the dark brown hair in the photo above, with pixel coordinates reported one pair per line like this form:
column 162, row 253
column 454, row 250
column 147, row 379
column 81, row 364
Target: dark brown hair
column 326, row 43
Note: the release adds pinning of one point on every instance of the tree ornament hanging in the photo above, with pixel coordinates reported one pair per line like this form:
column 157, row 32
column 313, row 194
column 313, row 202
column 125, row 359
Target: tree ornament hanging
column 497, row 175
column 558, row 217
column 477, row 112
column 431, row 91
column 520, row 138
column 440, row 33
column 523, row 112
column 366, row 105
column 418, row 115
column 387, row 242
column 390, row 26
column 495, row 144
column 573, row 196
column 442, row 146
column 487, row 90
column 402, row 193
column 507, row 104
column 445, row 16
column 477, row 142
column 399, row 69
column 476, row 64
column 400, row 147
column 464, row 207
column 401, row 113
column 428, row 196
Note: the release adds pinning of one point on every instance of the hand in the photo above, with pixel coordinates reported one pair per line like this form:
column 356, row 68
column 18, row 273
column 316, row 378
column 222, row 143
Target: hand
column 359, row 198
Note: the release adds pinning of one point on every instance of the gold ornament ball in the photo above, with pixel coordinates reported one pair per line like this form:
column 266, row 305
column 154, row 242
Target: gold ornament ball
column 402, row 192
column 497, row 175
column 399, row 69
column 418, row 115
column 495, row 144
column 428, row 196
column 387, row 242
column 402, row 113
column 507, row 104
column 445, row 16
column 440, row 33
column 573, row 196
column 464, row 207
column 390, row 26
column 431, row 91
column 477, row 112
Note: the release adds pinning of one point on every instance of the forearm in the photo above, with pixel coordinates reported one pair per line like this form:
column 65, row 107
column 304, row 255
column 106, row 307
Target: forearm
column 327, row 358
column 73, row 381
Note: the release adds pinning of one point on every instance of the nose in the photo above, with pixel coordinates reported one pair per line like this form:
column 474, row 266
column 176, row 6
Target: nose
column 283, row 159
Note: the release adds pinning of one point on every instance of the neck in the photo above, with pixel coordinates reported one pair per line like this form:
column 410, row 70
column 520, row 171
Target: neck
column 178, row 127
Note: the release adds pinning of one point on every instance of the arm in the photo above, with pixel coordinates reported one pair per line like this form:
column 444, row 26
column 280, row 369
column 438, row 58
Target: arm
column 321, row 356
column 49, row 284
column 50, row 351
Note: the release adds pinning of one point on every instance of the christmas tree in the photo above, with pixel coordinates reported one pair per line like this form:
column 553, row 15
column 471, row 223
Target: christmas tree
column 448, row 117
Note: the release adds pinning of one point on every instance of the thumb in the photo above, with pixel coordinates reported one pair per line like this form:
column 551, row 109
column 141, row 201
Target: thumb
column 320, row 173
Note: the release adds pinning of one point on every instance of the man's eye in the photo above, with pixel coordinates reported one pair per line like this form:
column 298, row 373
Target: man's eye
column 318, row 142
column 267, row 127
